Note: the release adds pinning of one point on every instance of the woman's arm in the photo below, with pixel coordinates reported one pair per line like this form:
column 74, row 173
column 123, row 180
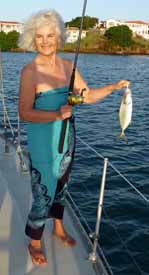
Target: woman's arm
column 92, row 95
column 27, row 98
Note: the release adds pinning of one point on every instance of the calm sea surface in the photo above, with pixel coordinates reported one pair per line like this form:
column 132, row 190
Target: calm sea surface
column 124, row 232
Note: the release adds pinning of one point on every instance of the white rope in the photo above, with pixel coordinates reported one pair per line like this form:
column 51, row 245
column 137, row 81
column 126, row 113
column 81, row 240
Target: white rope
column 114, row 168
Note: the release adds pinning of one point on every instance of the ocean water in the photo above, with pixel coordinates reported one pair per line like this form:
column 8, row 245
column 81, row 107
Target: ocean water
column 124, row 230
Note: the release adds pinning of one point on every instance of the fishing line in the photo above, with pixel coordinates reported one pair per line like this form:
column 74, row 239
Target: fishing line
column 71, row 85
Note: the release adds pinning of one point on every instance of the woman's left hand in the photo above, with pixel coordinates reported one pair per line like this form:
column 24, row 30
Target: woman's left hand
column 122, row 84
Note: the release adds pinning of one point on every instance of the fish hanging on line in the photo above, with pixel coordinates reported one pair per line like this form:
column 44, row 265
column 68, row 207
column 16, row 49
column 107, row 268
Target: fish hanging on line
column 125, row 112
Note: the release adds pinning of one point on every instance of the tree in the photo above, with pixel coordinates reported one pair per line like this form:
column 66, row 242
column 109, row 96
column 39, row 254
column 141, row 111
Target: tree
column 120, row 35
column 12, row 39
column 8, row 41
column 3, row 41
column 88, row 22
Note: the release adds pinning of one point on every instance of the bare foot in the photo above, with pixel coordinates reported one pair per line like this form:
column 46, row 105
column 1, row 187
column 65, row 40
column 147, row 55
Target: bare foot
column 65, row 238
column 37, row 255
column 59, row 232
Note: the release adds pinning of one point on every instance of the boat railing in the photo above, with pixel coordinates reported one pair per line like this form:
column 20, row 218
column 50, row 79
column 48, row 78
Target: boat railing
column 95, row 235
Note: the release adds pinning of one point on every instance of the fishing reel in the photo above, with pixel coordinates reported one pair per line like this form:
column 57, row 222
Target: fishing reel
column 75, row 99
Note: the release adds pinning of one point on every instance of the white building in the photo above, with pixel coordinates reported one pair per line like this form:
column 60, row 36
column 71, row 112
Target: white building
column 112, row 23
column 72, row 34
column 139, row 27
column 8, row 26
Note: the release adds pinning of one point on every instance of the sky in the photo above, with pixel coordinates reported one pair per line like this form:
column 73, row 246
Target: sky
column 17, row 10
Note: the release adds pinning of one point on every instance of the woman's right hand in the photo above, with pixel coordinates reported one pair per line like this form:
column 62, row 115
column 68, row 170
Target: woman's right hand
column 65, row 111
column 122, row 84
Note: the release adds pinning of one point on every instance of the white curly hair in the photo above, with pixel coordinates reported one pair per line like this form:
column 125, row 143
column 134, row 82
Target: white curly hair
column 39, row 19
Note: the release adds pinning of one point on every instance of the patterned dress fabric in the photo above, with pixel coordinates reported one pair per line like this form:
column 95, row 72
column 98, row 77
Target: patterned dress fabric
column 48, row 168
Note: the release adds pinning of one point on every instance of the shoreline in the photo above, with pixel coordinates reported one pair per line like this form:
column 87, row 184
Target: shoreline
column 91, row 51
column 96, row 51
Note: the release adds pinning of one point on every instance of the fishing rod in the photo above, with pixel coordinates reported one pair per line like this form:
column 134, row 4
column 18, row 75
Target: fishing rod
column 72, row 98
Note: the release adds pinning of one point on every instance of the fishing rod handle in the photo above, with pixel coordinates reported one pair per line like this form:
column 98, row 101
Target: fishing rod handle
column 73, row 99
column 63, row 133
column 64, row 122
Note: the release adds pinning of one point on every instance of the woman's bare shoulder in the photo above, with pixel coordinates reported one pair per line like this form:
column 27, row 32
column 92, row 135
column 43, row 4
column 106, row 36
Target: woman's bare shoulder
column 67, row 63
column 28, row 69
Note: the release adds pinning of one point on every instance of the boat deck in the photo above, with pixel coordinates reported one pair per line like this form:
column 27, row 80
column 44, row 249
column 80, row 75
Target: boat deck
column 15, row 201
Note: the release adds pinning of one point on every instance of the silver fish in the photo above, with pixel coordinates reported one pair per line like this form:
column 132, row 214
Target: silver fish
column 125, row 112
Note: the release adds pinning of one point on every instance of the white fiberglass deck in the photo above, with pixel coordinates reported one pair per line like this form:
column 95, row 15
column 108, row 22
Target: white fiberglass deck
column 15, row 202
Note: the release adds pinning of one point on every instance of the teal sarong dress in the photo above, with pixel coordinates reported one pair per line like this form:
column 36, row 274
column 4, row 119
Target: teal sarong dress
column 48, row 168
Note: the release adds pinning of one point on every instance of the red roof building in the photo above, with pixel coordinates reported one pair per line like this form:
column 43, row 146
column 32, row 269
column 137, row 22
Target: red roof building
column 7, row 26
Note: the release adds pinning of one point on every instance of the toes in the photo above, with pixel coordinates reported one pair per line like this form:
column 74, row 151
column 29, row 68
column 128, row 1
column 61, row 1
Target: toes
column 39, row 260
column 66, row 240
column 37, row 256
column 69, row 241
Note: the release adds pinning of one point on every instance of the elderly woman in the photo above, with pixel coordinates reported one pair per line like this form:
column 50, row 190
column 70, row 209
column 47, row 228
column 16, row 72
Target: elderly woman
column 43, row 104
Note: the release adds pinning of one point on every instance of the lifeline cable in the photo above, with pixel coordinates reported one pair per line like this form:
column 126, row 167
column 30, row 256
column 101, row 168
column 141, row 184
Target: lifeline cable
column 3, row 96
column 71, row 85
column 115, row 169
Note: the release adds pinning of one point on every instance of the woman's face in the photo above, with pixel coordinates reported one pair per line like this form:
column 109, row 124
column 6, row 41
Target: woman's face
column 46, row 40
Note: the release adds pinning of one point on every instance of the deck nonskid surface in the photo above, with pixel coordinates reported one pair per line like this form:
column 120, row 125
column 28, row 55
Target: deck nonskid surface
column 15, row 201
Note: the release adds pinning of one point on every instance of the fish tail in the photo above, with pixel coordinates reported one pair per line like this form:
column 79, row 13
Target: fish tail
column 123, row 137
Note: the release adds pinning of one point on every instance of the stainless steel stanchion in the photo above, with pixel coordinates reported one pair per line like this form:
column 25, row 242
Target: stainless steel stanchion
column 95, row 236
